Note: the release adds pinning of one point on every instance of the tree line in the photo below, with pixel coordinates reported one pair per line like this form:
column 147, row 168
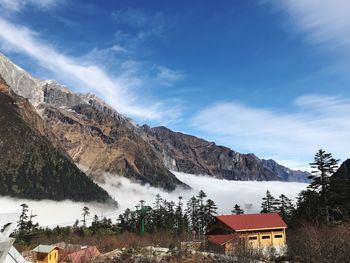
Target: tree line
column 321, row 203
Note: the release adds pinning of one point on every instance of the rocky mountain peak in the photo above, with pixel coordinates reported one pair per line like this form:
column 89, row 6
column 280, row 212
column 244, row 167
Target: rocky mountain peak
column 42, row 93
column 20, row 81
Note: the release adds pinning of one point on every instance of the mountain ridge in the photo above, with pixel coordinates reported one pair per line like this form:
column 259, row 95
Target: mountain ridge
column 190, row 154
column 100, row 139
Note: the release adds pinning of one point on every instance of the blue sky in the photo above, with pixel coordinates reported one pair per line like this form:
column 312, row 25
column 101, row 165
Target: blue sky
column 269, row 77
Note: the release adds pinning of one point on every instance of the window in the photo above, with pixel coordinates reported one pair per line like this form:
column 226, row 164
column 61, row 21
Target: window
column 253, row 238
column 50, row 256
column 265, row 237
column 278, row 236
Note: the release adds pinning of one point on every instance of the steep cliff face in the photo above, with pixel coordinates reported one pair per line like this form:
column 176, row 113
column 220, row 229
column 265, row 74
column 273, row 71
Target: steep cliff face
column 101, row 141
column 189, row 154
column 30, row 166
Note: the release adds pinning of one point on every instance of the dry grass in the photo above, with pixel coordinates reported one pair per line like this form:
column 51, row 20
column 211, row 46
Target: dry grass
column 320, row 244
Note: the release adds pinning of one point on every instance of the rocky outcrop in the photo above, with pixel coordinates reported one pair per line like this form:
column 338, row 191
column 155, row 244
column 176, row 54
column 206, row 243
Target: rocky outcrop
column 30, row 166
column 189, row 154
column 101, row 142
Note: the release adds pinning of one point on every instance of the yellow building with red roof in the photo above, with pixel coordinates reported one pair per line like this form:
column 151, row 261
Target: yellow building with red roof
column 257, row 230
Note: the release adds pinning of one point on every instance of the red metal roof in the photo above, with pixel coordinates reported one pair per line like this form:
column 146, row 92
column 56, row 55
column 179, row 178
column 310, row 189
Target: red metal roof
column 220, row 239
column 252, row 221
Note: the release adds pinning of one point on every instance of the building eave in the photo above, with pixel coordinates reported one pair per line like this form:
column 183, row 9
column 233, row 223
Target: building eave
column 259, row 229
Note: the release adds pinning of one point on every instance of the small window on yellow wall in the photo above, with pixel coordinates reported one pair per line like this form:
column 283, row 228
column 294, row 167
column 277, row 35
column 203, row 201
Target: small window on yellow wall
column 278, row 236
column 253, row 238
column 265, row 237
column 50, row 257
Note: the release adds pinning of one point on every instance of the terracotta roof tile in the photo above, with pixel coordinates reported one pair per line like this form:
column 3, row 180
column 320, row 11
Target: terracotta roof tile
column 84, row 255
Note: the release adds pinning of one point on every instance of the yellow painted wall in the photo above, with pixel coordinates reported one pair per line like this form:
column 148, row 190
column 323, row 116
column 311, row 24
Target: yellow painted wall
column 264, row 238
column 52, row 257
column 228, row 247
column 255, row 239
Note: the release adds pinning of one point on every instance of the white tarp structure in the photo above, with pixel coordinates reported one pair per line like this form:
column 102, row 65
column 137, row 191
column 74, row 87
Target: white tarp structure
column 8, row 253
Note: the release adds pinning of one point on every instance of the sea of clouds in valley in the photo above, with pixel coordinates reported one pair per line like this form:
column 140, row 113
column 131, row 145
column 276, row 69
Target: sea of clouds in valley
column 225, row 193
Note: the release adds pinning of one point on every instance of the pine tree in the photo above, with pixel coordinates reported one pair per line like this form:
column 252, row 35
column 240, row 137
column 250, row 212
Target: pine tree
column 192, row 212
column 23, row 218
column 209, row 213
column 157, row 213
column 237, row 210
column 76, row 223
column 269, row 203
column 86, row 212
column 179, row 221
column 324, row 166
column 95, row 223
column 285, row 207
column 30, row 224
column 170, row 215
column 158, row 202
column 201, row 195
column 200, row 220
column 308, row 207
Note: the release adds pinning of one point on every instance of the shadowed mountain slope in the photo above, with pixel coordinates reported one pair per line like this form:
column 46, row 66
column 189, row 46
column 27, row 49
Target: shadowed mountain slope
column 30, row 166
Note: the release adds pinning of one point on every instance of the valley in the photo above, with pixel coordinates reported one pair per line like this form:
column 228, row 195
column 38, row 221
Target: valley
column 225, row 194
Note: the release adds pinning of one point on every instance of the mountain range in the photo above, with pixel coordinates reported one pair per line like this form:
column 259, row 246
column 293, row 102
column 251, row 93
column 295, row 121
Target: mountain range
column 87, row 132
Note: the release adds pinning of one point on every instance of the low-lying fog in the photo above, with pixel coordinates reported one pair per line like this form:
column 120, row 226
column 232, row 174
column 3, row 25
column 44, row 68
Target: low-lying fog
column 224, row 193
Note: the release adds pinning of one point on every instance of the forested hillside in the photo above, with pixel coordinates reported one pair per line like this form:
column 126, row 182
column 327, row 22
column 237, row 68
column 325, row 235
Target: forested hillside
column 30, row 166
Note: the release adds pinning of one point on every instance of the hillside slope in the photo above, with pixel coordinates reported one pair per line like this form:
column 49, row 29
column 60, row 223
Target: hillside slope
column 30, row 166
column 340, row 190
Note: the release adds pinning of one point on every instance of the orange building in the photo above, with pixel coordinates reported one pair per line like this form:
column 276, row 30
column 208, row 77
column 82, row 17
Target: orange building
column 46, row 254
column 258, row 230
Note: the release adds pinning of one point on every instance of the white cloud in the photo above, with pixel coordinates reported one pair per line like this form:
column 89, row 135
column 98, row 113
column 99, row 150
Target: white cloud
column 324, row 22
column 121, row 91
column 168, row 76
column 291, row 138
column 19, row 5
column 128, row 194
column 118, row 48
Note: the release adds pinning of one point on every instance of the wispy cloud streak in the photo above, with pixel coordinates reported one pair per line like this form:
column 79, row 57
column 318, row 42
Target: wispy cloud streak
column 119, row 90
column 323, row 22
column 315, row 122
column 19, row 5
